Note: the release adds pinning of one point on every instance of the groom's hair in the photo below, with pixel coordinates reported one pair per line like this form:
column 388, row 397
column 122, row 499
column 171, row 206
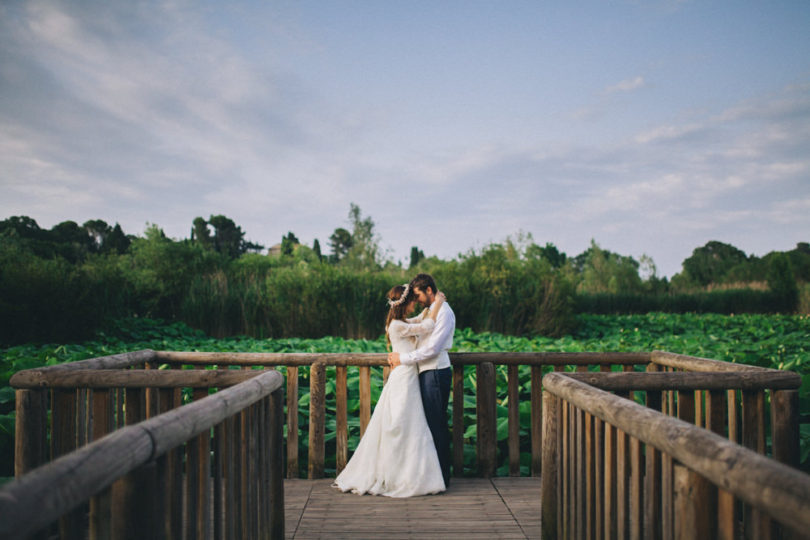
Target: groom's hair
column 423, row 281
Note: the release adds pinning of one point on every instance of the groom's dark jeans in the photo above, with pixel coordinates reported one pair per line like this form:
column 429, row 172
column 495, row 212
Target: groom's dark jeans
column 435, row 387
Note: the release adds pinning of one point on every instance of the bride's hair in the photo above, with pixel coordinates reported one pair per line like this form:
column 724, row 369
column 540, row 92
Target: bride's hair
column 399, row 310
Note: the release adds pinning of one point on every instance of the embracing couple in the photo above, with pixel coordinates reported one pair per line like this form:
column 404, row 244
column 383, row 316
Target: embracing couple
column 405, row 450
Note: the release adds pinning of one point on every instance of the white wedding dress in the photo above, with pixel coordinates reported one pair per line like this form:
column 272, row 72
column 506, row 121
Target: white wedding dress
column 396, row 456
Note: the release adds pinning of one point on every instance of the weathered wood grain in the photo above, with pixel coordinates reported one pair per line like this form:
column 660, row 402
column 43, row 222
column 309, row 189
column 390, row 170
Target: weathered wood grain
column 765, row 484
column 690, row 381
column 111, row 378
column 37, row 499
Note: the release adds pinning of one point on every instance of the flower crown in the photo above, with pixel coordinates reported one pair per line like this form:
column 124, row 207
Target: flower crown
column 402, row 297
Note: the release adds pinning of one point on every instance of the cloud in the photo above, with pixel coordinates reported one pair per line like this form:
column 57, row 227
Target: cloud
column 138, row 112
column 627, row 85
column 123, row 105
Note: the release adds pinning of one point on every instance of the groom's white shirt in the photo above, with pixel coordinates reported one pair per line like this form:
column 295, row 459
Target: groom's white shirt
column 431, row 352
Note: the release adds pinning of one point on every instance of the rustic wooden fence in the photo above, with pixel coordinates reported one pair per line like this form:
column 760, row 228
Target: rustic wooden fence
column 613, row 468
column 741, row 416
column 784, row 429
column 130, row 462
column 486, row 398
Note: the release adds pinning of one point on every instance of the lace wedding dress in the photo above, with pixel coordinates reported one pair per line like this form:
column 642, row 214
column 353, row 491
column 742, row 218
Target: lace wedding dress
column 396, row 456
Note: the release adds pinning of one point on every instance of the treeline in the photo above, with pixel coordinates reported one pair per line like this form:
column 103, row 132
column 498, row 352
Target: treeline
column 66, row 283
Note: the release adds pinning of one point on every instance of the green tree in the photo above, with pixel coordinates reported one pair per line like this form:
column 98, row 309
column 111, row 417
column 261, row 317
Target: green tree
column 782, row 281
column 116, row 241
column 98, row 231
column 228, row 239
column 606, row 272
column 316, row 248
column 416, row 256
column 288, row 244
column 340, row 242
column 549, row 252
column 365, row 250
column 711, row 263
column 72, row 242
column 201, row 234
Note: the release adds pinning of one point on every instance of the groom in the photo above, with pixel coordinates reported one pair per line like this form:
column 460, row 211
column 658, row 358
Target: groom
column 434, row 369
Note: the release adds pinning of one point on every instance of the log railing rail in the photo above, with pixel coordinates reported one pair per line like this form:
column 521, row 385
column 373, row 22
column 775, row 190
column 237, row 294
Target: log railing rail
column 613, row 468
column 162, row 470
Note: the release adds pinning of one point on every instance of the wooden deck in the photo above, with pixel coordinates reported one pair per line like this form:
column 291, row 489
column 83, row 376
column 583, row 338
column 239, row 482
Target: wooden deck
column 472, row 508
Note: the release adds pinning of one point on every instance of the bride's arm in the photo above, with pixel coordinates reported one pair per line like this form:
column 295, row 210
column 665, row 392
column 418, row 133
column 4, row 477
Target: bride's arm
column 405, row 329
column 426, row 325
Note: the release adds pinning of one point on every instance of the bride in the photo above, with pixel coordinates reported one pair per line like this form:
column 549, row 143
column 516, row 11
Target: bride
column 396, row 456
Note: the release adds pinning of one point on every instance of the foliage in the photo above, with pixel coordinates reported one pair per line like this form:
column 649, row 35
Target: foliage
column 65, row 283
column 416, row 256
column 340, row 242
column 709, row 263
column 228, row 238
column 606, row 272
column 782, row 281
column 726, row 302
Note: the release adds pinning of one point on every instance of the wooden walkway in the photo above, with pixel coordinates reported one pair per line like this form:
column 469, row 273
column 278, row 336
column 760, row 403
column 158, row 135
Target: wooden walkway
column 472, row 508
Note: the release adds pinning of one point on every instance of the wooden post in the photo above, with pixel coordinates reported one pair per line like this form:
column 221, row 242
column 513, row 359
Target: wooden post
column 218, row 468
column 135, row 513
column 276, row 460
column 716, row 412
column 244, row 457
column 622, row 477
column 292, row 422
column 31, row 423
column 599, row 472
column 590, row 480
column 785, row 426
column 341, row 413
column 652, row 461
column 550, row 475
column 513, row 385
column 565, row 468
column 458, row 420
column 365, row 398
column 610, row 514
column 487, row 434
column 579, row 472
column 100, row 504
column 753, row 437
column 537, row 420
column 695, row 505
column 231, row 478
column 317, row 391
column 636, row 506
column 63, row 441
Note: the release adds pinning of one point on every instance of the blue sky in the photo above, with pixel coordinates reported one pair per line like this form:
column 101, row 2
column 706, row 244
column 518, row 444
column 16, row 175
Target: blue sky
column 651, row 127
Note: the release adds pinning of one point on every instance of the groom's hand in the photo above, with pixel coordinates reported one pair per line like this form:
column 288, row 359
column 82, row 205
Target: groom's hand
column 393, row 359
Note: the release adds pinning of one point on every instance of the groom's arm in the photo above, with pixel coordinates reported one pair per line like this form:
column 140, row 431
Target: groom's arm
column 445, row 324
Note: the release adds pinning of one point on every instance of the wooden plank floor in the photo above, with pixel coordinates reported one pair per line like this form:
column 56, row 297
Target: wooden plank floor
column 472, row 508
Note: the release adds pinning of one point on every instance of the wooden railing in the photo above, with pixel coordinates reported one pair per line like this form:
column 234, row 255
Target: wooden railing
column 613, row 468
column 315, row 366
column 736, row 408
column 129, row 461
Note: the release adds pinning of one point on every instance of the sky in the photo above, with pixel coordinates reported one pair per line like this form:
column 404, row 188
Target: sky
column 650, row 127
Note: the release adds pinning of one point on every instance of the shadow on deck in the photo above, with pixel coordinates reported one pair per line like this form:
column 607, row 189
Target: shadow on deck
column 471, row 508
